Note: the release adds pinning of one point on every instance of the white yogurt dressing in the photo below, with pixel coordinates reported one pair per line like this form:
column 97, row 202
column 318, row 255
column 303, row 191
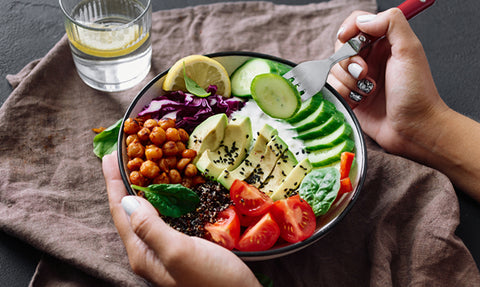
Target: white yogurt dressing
column 285, row 131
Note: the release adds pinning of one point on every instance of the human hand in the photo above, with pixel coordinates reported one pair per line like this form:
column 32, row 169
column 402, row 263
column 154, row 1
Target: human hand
column 404, row 102
column 161, row 254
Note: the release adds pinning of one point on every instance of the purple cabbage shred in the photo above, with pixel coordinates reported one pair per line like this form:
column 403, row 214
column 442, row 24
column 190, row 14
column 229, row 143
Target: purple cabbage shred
column 190, row 110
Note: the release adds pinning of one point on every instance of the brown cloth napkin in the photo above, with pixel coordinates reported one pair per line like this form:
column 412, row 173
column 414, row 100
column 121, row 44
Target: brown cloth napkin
column 400, row 232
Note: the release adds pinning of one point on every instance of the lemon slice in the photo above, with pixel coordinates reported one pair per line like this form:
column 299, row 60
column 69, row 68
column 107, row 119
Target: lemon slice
column 113, row 43
column 203, row 70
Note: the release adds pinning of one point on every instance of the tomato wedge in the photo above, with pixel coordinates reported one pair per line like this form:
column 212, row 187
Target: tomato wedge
column 248, row 199
column 260, row 236
column 295, row 218
column 226, row 230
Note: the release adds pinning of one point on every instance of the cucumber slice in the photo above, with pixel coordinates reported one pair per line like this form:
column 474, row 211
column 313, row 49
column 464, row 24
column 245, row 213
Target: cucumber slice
column 324, row 129
column 338, row 136
column 275, row 95
column 323, row 113
column 307, row 108
column 242, row 77
column 328, row 156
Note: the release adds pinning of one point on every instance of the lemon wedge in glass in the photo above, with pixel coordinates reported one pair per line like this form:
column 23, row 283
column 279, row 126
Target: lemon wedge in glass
column 106, row 43
column 203, row 70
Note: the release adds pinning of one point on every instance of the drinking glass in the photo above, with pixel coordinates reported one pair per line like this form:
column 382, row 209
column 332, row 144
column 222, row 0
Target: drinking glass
column 110, row 41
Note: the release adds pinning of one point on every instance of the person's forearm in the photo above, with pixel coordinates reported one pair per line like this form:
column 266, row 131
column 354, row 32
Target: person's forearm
column 451, row 145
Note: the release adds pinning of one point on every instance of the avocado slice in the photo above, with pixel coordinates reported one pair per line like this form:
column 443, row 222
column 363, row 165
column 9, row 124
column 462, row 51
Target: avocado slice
column 231, row 150
column 275, row 148
column 284, row 165
column 208, row 134
column 265, row 134
column 292, row 181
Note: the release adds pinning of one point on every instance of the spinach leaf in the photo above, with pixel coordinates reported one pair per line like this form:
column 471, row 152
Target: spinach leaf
column 320, row 188
column 173, row 200
column 193, row 87
column 106, row 142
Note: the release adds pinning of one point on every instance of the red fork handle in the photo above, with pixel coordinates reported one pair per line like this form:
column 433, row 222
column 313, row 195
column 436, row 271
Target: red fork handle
column 410, row 8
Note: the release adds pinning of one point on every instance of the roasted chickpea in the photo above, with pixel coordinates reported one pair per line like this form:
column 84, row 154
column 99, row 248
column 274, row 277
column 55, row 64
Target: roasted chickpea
column 135, row 149
column 187, row 182
column 143, row 134
column 134, row 164
column 181, row 147
column 183, row 135
column 162, row 163
column 172, row 134
column 170, row 148
column 137, row 178
column 150, row 124
column 153, row 152
column 182, row 163
column 166, row 123
column 162, row 178
column 190, row 170
column 171, row 161
column 189, row 153
column 157, row 136
column 131, row 138
column 131, row 126
column 198, row 179
column 174, row 176
column 149, row 169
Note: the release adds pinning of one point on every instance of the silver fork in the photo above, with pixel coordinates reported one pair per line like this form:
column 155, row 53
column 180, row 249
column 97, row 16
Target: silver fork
column 310, row 76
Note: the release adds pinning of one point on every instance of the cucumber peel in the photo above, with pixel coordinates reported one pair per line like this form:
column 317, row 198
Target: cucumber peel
column 275, row 95
column 242, row 77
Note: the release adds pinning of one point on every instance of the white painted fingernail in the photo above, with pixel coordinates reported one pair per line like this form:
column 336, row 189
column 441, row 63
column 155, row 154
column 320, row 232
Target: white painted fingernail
column 355, row 70
column 366, row 18
column 130, row 204
column 340, row 31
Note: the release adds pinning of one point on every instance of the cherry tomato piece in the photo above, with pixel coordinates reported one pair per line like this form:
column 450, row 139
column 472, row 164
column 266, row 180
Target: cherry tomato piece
column 226, row 230
column 248, row 200
column 260, row 236
column 295, row 218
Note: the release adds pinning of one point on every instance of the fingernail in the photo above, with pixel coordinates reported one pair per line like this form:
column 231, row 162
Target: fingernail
column 340, row 31
column 354, row 96
column 365, row 86
column 366, row 18
column 130, row 204
column 355, row 70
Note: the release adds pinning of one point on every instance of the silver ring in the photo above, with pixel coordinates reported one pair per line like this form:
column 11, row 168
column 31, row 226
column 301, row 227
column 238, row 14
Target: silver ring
column 354, row 96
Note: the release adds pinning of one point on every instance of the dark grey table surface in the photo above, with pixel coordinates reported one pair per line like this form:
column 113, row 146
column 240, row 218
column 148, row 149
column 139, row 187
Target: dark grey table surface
column 449, row 31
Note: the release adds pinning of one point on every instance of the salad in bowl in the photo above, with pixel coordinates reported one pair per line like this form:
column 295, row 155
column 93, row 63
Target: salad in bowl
column 225, row 149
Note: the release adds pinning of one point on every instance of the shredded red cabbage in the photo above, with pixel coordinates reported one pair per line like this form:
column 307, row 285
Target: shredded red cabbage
column 189, row 110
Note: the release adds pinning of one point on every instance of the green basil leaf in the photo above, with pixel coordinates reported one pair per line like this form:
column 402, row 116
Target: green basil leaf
column 106, row 142
column 320, row 188
column 193, row 87
column 173, row 200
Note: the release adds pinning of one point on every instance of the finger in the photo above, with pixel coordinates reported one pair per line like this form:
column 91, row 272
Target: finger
column 349, row 29
column 170, row 245
column 116, row 191
column 393, row 25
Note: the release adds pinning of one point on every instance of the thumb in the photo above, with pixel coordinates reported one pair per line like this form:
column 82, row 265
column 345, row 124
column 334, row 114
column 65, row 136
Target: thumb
column 148, row 226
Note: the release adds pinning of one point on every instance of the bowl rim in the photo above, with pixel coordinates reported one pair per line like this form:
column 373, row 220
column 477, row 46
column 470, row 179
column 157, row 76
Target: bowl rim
column 292, row 247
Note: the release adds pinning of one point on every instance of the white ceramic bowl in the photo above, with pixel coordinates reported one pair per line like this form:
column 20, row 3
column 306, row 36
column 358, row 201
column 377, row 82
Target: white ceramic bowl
column 325, row 223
